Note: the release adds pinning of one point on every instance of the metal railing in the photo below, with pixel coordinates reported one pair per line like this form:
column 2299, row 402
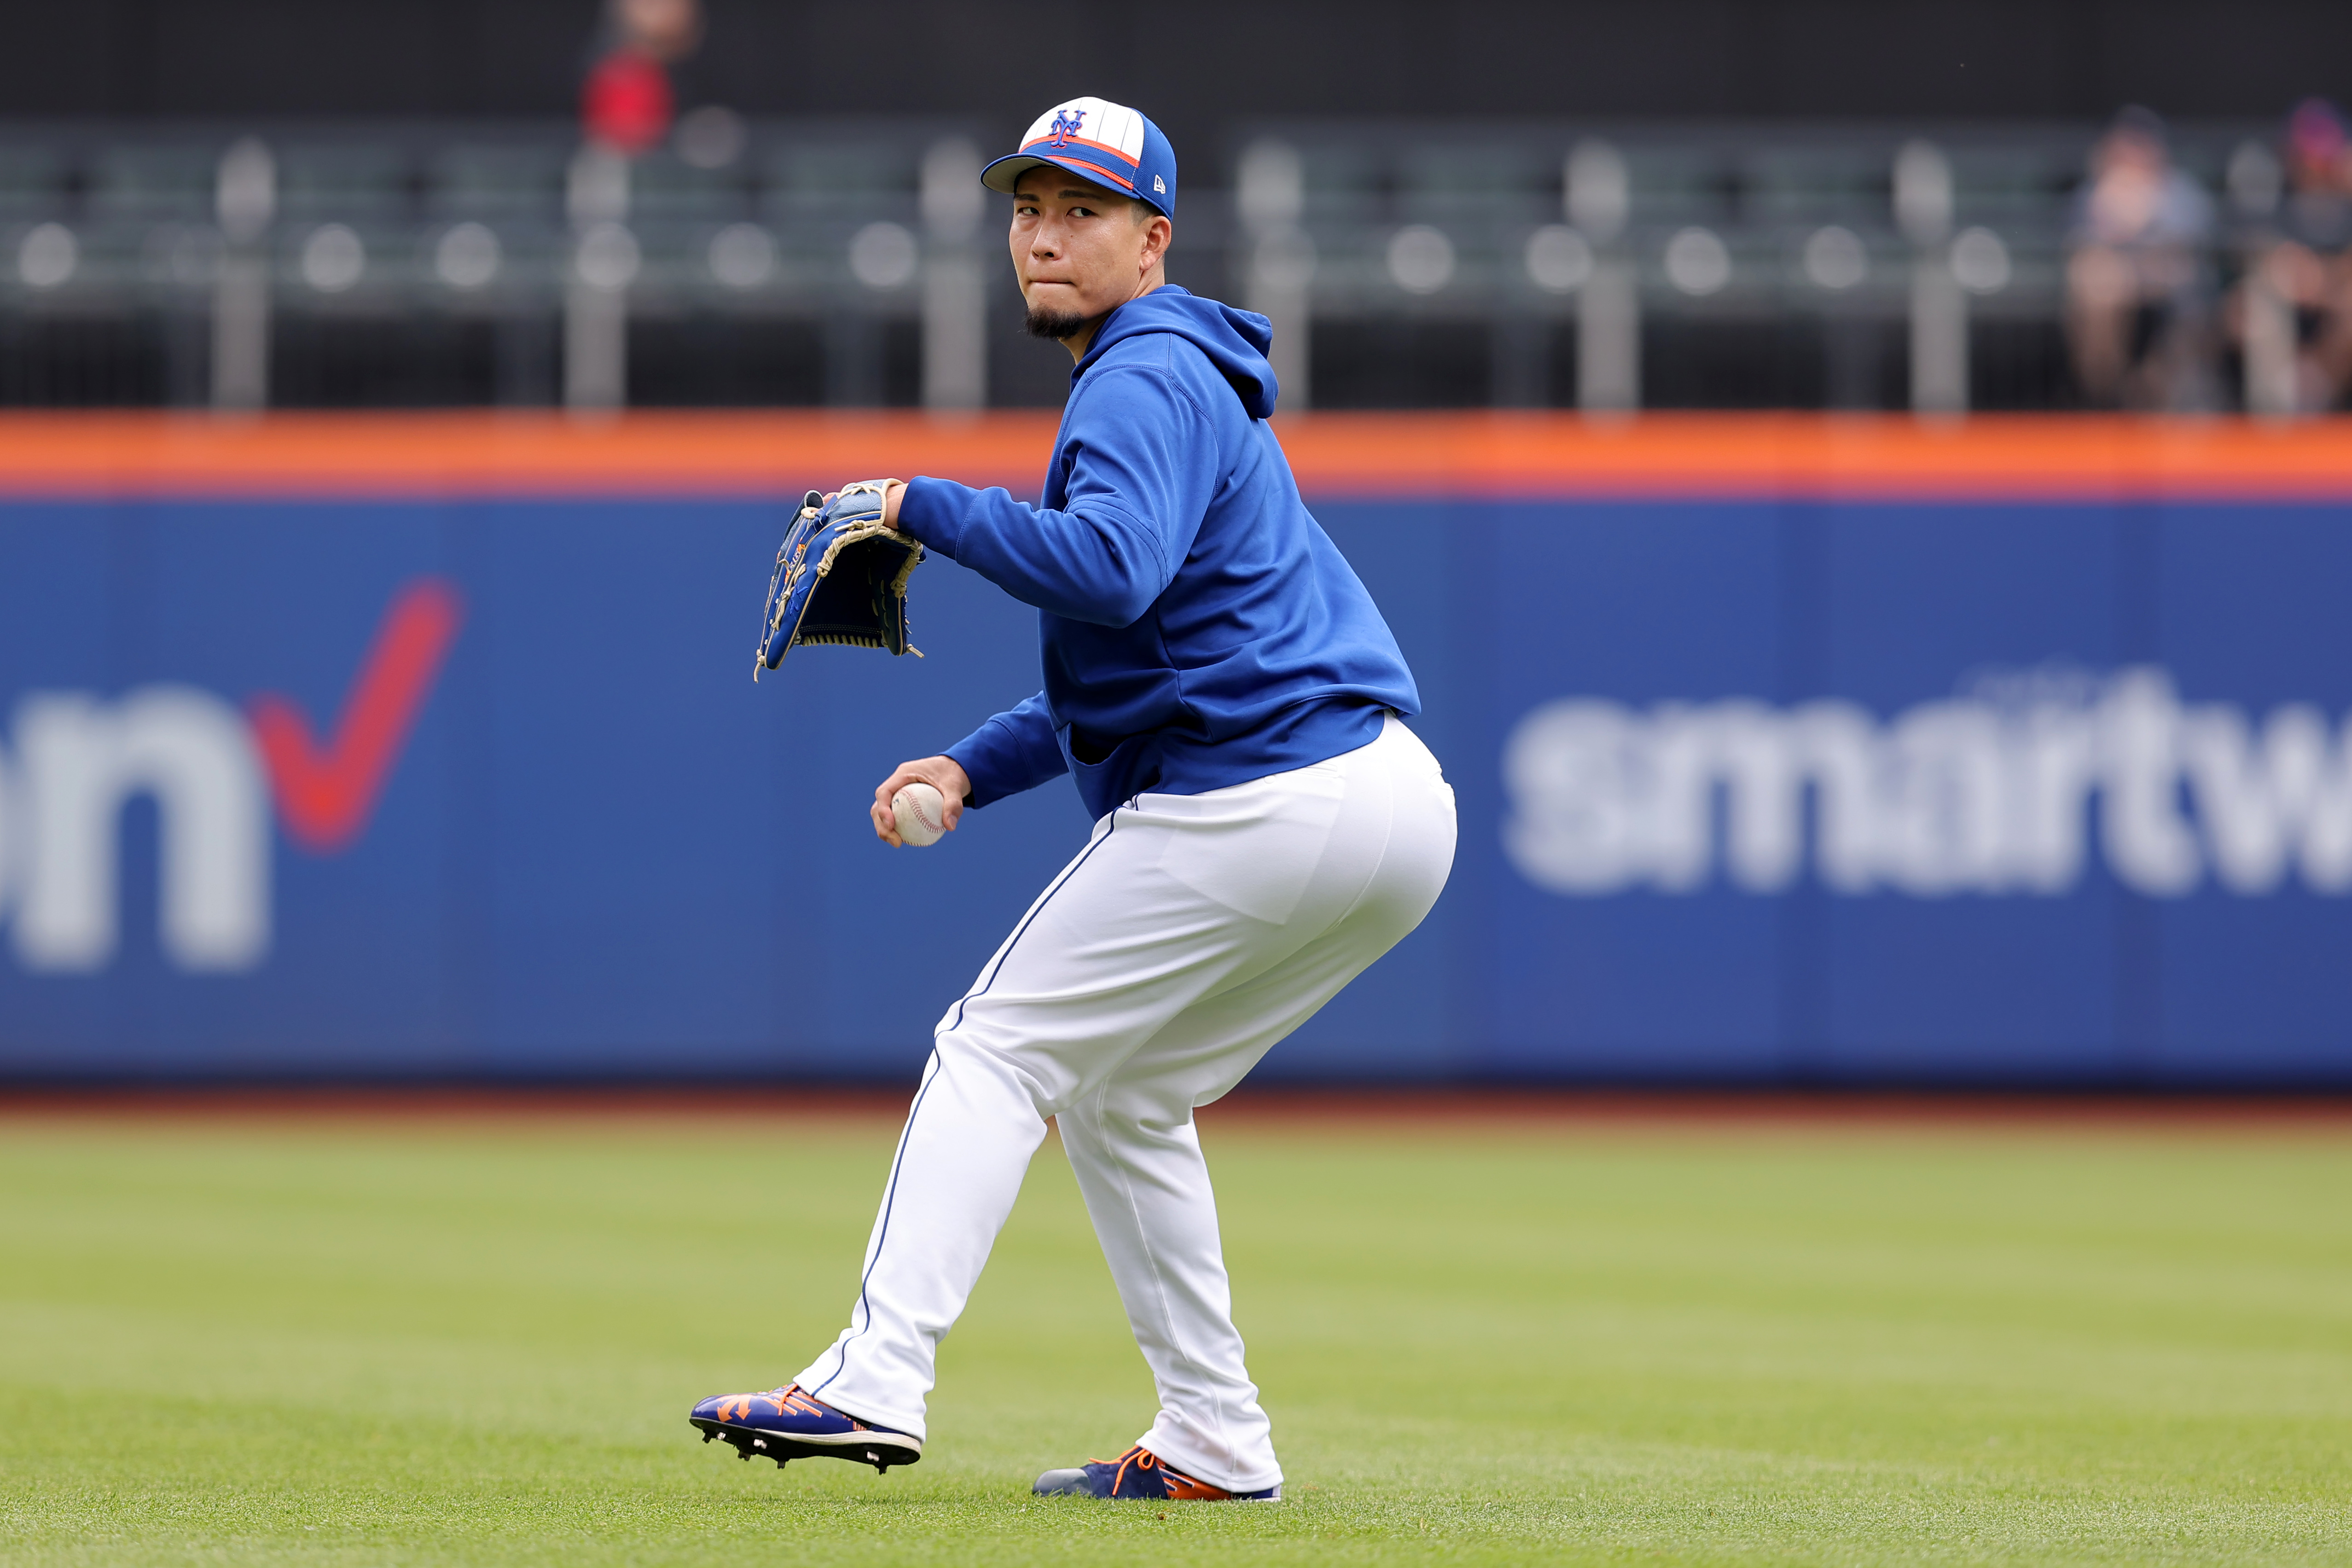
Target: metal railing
column 1704, row 265
column 234, row 263
column 1608, row 270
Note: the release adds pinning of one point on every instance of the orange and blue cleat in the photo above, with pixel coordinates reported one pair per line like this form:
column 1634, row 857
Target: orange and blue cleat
column 1140, row 1475
column 785, row 1424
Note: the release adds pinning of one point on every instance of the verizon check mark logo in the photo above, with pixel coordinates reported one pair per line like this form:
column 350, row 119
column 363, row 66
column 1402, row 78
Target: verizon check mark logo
column 213, row 771
column 326, row 794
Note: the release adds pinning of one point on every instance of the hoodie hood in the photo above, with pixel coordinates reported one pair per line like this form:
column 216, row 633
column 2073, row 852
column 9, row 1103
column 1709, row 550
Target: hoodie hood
column 1234, row 341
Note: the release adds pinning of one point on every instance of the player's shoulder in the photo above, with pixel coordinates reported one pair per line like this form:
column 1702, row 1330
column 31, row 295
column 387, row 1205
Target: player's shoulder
column 1169, row 361
column 1151, row 348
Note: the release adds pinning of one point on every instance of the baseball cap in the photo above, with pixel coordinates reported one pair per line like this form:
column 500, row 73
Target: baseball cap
column 1106, row 143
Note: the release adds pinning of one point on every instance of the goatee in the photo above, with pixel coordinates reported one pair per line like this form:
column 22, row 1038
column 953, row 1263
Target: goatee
column 1060, row 326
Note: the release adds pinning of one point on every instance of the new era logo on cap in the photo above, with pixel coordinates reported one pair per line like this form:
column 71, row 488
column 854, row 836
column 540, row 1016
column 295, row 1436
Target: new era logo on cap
column 1106, row 143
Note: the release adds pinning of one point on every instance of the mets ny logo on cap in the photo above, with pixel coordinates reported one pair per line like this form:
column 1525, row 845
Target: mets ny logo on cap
column 1067, row 124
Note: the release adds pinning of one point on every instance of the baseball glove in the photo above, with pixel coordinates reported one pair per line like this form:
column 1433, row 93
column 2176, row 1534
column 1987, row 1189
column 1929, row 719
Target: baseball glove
column 840, row 577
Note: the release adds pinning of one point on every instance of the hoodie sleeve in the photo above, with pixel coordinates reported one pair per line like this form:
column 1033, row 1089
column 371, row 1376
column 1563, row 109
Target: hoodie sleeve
column 1014, row 750
column 1143, row 466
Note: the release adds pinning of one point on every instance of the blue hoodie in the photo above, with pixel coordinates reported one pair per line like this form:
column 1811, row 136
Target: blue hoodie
column 1199, row 628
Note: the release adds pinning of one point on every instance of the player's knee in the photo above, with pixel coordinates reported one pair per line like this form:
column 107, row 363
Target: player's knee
column 973, row 1059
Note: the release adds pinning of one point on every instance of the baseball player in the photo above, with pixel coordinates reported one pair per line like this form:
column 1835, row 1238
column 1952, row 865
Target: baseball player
column 1227, row 699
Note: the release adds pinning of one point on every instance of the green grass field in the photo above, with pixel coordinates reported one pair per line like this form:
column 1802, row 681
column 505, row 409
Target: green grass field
column 476, row 1342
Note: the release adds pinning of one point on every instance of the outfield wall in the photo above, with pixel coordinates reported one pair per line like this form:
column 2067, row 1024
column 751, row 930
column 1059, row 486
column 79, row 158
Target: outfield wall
column 1789, row 751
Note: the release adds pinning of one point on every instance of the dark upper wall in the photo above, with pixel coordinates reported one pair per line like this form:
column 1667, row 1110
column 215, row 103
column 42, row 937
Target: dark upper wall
column 1202, row 64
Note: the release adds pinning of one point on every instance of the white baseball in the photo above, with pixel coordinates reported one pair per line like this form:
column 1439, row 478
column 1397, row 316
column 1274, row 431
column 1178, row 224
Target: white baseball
column 921, row 812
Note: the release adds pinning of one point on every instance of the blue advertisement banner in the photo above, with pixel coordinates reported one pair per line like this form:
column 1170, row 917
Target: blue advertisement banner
column 1754, row 790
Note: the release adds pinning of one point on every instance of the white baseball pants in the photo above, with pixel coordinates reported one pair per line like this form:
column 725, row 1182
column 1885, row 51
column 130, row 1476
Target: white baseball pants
column 1191, row 933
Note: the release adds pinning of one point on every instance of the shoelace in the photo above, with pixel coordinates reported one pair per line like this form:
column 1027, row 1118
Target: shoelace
column 788, row 1398
column 1143, row 1458
column 792, row 1398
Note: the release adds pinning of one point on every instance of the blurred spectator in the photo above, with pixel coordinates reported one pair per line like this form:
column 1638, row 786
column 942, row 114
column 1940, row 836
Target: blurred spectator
column 626, row 104
column 2139, row 292
column 2299, row 270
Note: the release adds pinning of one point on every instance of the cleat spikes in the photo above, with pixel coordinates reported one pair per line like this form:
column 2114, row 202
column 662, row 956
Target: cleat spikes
column 785, row 1424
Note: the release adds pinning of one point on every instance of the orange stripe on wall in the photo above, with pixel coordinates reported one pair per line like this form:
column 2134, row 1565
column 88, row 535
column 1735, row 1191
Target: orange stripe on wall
column 1480, row 454
column 1802, row 454
column 534, row 454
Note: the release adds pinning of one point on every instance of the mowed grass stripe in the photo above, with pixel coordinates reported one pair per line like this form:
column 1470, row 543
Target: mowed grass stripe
column 476, row 1343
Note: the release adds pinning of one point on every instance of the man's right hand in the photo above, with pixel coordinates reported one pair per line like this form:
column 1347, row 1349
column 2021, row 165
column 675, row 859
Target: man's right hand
column 942, row 774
